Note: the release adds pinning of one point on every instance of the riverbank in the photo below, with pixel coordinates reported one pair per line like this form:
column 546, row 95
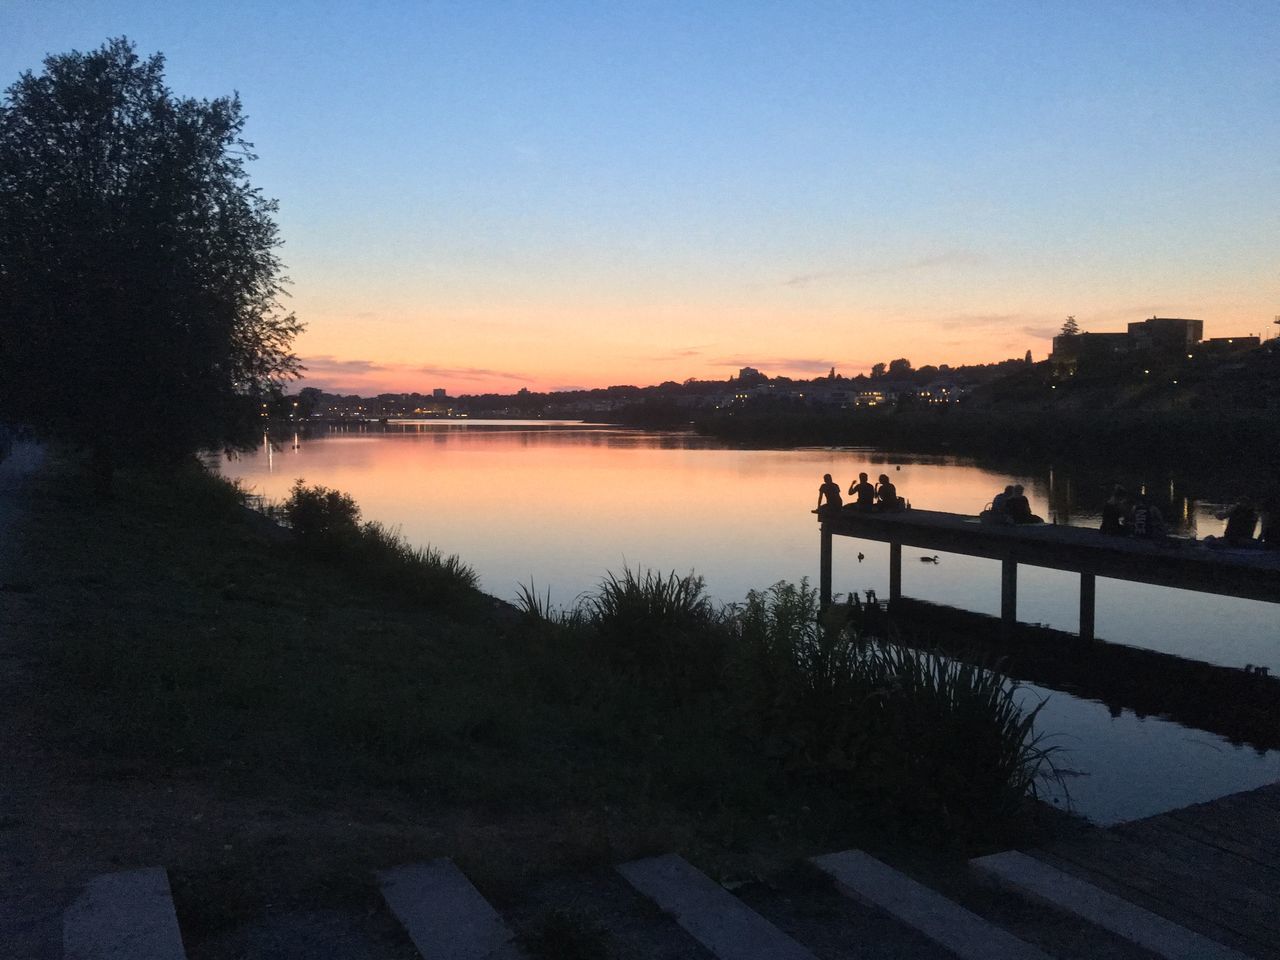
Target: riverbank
column 197, row 694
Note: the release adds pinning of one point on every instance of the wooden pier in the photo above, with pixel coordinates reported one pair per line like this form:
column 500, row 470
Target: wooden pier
column 1213, row 868
column 1184, row 564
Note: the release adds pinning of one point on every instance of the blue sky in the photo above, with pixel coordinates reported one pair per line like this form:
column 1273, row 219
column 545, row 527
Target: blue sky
column 489, row 195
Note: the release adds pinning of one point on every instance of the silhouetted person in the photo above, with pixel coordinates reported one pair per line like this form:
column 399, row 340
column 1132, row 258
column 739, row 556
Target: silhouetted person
column 830, row 491
column 887, row 494
column 1241, row 518
column 1113, row 512
column 998, row 511
column 999, row 503
column 864, row 491
column 1145, row 520
column 1018, row 507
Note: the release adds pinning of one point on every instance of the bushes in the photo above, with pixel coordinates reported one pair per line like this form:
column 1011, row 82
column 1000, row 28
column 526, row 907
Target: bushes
column 319, row 516
column 940, row 744
column 327, row 524
column 911, row 739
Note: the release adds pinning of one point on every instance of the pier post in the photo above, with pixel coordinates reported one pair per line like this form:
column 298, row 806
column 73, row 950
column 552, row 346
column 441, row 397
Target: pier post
column 895, row 572
column 1087, row 596
column 1009, row 592
column 824, row 570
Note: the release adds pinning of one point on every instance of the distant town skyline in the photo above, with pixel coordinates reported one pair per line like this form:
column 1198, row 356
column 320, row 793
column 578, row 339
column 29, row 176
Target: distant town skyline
column 483, row 197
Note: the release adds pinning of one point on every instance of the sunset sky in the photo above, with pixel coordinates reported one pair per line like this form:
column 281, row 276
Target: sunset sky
column 486, row 196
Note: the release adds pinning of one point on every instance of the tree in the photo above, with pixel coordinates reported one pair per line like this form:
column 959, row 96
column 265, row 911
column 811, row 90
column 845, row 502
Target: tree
column 878, row 370
column 140, row 289
column 1070, row 327
column 900, row 367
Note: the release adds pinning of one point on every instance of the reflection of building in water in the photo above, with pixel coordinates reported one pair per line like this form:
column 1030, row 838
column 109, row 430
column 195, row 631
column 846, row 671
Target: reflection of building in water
column 1161, row 336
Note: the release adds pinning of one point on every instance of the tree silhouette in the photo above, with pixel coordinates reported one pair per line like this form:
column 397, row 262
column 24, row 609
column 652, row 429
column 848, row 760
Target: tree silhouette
column 1070, row 327
column 139, row 285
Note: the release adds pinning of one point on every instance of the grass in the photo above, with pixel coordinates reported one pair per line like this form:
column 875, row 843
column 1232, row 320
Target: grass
column 182, row 648
column 326, row 523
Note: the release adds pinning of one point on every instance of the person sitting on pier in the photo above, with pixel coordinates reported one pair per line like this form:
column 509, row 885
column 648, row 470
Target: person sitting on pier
column 887, row 495
column 1019, row 508
column 865, row 493
column 1241, row 518
column 1145, row 519
column 999, row 503
column 1113, row 513
column 998, row 510
column 830, row 490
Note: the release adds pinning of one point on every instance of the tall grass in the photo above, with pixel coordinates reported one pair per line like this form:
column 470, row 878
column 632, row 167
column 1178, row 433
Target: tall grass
column 659, row 629
column 327, row 524
column 941, row 743
column 929, row 744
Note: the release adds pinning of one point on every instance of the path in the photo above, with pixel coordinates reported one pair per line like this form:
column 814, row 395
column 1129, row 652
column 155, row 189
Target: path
column 28, row 911
column 23, row 460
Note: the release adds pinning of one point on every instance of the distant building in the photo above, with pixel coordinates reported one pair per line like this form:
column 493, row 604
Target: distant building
column 439, row 393
column 1220, row 345
column 1166, row 334
column 1073, row 351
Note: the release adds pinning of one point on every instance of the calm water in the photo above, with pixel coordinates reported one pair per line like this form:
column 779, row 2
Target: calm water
column 558, row 505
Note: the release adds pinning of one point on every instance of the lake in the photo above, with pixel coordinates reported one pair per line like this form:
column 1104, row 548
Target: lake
column 556, row 505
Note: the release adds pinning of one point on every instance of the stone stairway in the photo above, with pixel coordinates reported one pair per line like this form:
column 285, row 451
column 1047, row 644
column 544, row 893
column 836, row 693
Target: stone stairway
column 839, row 906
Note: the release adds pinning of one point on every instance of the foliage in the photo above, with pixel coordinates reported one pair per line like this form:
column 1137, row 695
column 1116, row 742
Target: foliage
column 326, row 523
column 139, row 284
column 317, row 514
column 942, row 743
column 216, row 644
column 659, row 628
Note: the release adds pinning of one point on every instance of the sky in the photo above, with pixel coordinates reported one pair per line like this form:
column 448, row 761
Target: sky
column 484, row 196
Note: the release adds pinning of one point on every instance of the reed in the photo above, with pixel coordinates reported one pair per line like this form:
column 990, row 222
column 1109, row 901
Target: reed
column 662, row 629
column 943, row 745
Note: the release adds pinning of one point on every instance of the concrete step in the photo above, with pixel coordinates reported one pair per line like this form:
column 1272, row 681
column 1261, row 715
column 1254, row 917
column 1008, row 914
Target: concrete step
column 1070, row 894
column 444, row 915
column 127, row 915
column 946, row 923
column 714, row 917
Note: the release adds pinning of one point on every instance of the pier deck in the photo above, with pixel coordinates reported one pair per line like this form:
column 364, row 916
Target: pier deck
column 1253, row 574
column 1213, row 868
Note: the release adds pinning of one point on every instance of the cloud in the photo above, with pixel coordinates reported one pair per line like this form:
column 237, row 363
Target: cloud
column 473, row 373
column 950, row 258
column 327, row 370
column 326, row 364
column 684, row 353
column 1042, row 333
column 969, row 320
column 790, row 364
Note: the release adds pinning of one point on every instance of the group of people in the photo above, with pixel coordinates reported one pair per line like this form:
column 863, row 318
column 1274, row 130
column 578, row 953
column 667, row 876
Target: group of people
column 883, row 496
column 1136, row 516
column 1243, row 517
column 1010, row 506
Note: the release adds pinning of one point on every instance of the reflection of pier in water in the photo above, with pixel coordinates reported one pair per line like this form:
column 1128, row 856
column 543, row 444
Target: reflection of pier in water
column 1242, row 707
column 1253, row 575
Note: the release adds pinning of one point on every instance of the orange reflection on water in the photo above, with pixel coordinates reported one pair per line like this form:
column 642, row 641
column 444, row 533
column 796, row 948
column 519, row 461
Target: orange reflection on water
column 565, row 505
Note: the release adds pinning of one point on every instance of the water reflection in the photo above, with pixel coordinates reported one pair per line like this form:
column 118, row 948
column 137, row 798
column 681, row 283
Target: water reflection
column 564, row 502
